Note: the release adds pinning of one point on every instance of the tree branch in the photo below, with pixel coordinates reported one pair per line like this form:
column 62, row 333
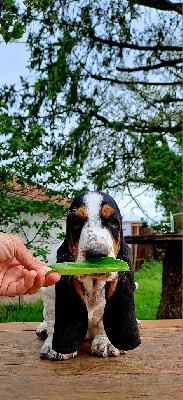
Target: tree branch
column 111, row 80
column 164, row 5
column 137, row 128
column 168, row 100
column 138, row 204
column 150, row 67
column 123, row 45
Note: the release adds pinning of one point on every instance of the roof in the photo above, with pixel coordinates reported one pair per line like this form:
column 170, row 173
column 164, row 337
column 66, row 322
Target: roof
column 34, row 192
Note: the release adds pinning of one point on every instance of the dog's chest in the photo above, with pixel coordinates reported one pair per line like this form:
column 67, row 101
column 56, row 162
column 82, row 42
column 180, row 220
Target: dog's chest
column 94, row 298
column 94, row 292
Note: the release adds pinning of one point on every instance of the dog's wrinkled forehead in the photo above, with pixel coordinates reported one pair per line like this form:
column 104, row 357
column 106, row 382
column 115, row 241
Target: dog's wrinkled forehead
column 91, row 205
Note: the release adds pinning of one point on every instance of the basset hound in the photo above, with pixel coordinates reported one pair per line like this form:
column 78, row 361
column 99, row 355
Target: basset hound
column 96, row 306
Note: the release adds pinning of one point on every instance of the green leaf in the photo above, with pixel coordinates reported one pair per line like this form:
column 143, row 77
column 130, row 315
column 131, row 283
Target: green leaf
column 8, row 4
column 90, row 266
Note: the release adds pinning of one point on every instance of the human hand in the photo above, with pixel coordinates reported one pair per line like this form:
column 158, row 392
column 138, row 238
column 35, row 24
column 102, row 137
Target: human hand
column 20, row 272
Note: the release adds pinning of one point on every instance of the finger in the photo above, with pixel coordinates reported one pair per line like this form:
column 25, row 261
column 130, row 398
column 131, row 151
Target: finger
column 25, row 258
column 52, row 278
column 38, row 282
column 9, row 276
column 20, row 287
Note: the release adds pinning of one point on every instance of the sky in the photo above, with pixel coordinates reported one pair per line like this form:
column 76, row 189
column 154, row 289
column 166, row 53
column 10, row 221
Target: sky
column 13, row 62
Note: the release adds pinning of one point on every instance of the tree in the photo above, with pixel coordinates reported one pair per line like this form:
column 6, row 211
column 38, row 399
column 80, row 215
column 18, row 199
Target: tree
column 170, row 306
column 32, row 212
column 104, row 103
column 27, row 208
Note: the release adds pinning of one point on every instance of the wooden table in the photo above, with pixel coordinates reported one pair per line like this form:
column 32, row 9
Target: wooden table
column 153, row 371
column 171, row 300
column 154, row 238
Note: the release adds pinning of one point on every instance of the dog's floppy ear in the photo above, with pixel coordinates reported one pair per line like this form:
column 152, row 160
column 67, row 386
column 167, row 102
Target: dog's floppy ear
column 71, row 317
column 63, row 252
column 119, row 315
column 124, row 252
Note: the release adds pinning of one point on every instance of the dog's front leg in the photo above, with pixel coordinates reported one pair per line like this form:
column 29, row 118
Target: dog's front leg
column 101, row 346
column 95, row 301
column 47, row 326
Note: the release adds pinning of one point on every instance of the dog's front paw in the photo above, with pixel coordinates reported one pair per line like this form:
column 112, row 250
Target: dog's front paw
column 101, row 346
column 41, row 330
column 50, row 354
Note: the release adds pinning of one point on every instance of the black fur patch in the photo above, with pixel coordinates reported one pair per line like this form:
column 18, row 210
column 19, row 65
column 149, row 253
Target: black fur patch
column 119, row 315
column 71, row 318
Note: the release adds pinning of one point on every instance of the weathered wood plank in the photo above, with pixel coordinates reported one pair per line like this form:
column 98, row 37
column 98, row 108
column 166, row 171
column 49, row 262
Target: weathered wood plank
column 153, row 371
column 153, row 239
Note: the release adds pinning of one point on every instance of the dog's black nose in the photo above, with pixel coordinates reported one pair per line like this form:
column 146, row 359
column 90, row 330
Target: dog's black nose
column 96, row 253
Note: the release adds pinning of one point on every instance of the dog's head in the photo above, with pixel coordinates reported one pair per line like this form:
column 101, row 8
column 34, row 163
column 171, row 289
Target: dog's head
column 94, row 229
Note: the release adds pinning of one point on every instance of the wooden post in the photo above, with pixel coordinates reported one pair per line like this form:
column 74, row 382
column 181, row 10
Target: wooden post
column 135, row 231
column 144, row 251
column 171, row 300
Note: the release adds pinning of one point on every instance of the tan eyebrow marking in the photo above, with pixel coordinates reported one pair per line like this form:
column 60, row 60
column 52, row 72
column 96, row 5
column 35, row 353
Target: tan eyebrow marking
column 107, row 211
column 81, row 212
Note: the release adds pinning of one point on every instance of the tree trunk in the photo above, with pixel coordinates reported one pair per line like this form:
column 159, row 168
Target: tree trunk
column 171, row 300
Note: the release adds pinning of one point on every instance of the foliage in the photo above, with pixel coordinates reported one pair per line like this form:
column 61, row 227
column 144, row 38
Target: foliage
column 22, row 163
column 11, row 26
column 113, row 68
column 102, row 104
column 32, row 220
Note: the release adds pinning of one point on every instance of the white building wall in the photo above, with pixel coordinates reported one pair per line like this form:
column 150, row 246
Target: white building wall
column 127, row 228
column 30, row 233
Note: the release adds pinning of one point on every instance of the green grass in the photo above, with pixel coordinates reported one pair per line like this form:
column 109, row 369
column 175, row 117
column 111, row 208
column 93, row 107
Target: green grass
column 21, row 312
column 148, row 294
column 147, row 298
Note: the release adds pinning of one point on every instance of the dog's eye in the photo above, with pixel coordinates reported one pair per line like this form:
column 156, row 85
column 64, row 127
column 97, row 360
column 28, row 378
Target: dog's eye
column 78, row 223
column 113, row 222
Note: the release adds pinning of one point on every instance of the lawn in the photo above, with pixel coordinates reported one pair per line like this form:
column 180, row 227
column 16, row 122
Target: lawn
column 147, row 298
column 148, row 294
column 21, row 312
